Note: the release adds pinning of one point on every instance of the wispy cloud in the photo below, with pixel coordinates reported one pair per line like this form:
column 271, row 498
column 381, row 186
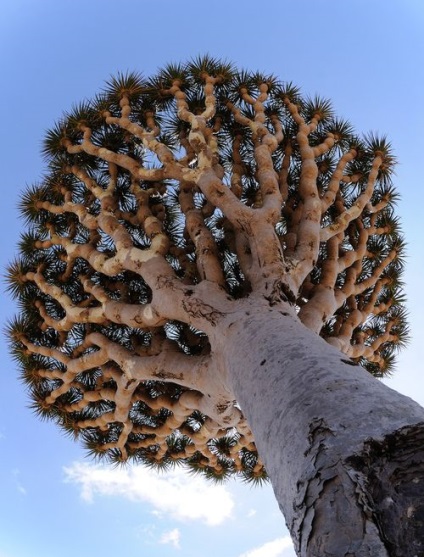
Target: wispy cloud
column 172, row 537
column 177, row 494
column 281, row 547
column 19, row 486
column 21, row 489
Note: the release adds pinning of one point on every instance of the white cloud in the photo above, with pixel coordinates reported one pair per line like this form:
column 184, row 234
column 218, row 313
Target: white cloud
column 172, row 537
column 251, row 513
column 281, row 547
column 178, row 494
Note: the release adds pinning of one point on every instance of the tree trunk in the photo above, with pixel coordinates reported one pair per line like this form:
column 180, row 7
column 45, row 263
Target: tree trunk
column 345, row 453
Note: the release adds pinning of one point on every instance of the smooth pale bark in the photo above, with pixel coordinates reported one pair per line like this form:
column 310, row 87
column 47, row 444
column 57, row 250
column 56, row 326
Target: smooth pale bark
column 343, row 451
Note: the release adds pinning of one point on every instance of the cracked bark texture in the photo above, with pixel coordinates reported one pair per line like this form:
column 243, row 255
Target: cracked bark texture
column 344, row 452
column 211, row 276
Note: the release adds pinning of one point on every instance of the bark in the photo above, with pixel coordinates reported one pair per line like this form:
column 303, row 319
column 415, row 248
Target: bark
column 343, row 451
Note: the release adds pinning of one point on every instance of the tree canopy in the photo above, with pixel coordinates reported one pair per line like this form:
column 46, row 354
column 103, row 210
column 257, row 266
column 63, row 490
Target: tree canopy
column 218, row 182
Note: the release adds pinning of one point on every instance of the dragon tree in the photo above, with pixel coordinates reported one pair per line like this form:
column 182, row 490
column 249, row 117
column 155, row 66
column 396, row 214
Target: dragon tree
column 210, row 275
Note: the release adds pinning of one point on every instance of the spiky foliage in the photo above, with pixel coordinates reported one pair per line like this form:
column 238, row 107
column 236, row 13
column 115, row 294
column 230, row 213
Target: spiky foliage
column 155, row 177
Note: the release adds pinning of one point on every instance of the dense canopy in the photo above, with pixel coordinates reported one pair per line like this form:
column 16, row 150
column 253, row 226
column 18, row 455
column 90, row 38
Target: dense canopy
column 214, row 180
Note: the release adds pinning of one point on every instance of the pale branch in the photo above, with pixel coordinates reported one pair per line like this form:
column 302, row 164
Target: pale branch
column 148, row 138
column 84, row 217
column 124, row 396
column 308, row 230
column 190, row 155
column 267, row 259
column 91, row 184
column 169, row 294
column 124, row 161
column 351, row 287
column 207, row 260
column 169, row 365
column 294, row 112
column 198, row 120
column 322, row 301
column 270, row 211
column 99, row 261
column 197, row 136
column 342, row 221
column 372, row 305
column 324, row 146
column 350, row 257
column 352, row 178
column 283, row 175
column 127, row 257
column 370, row 350
column 265, row 143
column 133, row 315
column 238, row 169
column 244, row 254
column 325, row 298
column 73, row 314
column 278, row 133
column 377, row 207
column 222, row 197
column 256, row 126
column 338, row 176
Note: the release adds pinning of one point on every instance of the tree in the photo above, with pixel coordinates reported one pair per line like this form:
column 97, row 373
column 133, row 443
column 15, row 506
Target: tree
column 211, row 276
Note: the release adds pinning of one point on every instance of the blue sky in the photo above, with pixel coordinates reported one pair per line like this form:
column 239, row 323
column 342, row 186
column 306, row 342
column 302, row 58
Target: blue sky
column 367, row 56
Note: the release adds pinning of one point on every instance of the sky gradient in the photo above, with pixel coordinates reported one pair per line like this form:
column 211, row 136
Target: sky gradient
column 365, row 55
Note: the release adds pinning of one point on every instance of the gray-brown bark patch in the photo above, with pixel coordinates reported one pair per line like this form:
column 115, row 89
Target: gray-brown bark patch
column 349, row 362
column 318, row 471
column 318, row 432
column 166, row 375
column 336, row 520
column 395, row 471
column 197, row 309
column 280, row 292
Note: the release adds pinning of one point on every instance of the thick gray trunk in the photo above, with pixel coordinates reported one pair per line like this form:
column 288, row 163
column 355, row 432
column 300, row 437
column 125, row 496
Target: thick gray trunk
column 343, row 451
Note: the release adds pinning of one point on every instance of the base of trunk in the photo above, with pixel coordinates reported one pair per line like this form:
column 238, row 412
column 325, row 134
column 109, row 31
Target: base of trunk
column 395, row 473
column 372, row 505
column 344, row 453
